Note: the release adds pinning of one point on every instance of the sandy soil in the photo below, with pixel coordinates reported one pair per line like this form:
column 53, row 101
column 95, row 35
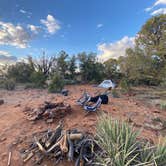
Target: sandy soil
column 15, row 129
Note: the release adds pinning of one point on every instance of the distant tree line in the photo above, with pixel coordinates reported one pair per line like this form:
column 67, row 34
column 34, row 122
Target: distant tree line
column 143, row 64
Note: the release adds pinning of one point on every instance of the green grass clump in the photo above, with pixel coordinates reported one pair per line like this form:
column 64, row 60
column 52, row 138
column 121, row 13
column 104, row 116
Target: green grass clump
column 163, row 105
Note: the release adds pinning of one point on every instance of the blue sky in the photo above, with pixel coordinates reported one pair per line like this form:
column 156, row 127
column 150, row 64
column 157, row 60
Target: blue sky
column 106, row 27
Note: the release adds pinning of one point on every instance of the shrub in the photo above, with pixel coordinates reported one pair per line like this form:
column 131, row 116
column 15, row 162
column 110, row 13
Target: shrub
column 160, row 154
column 118, row 141
column 20, row 71
column 115, row 93
column 125, row 86
column 163, row 105
column 9, row 84
column 120, row 146
column 38, row 80
column 57, row 84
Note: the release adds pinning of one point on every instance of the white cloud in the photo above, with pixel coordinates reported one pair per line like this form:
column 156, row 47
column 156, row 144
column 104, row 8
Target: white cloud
column 22, row 11
column 13, row 35
column 28, row 14
column 159, row 11
column 160, row 2
column 6, row 58
column 99, row 25
column 51, row 24
column 148, row 9
column 116, row 49
column 33, row 28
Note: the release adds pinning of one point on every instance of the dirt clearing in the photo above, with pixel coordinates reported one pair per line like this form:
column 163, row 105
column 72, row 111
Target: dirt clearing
column 15, row 129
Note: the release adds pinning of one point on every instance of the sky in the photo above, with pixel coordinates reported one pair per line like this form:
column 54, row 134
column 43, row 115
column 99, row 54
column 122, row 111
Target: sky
column 106, row 27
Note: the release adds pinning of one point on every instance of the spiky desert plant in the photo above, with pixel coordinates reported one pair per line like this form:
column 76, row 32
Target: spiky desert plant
column 146, row 155
column 160, row 154
column 118, row 142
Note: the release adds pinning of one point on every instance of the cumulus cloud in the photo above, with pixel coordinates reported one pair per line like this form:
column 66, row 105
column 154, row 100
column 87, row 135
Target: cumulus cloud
column 51, row 24
column 99, row 25
column 160, row 2
column 33, row 28
column 161, row 10
column 6, row 58
column 116, row 49
column 13, row 35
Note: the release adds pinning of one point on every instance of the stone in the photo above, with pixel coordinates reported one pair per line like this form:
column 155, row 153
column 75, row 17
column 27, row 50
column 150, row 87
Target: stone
column 49, row 120
column 1, row 101
column 3, row 139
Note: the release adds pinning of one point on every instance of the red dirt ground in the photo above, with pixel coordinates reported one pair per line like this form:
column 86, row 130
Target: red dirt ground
column 15, row 128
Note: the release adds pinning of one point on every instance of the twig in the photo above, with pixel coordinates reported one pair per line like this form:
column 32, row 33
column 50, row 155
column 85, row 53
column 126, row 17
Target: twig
column 39, row 145
column 9, row 158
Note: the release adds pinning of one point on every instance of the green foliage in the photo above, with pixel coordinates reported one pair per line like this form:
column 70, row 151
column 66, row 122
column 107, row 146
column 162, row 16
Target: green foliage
column 62, row 64
column 9, row 84
column 145, row 63
column 57, row 84
column 38, row 79
column 118, row 141
column 125, row 85
column 114, row 93
column 160, row 154
column 90, row 70
column 153, row 36
column 139, row 68
column 20, row 72
column 163, row 105
column 121, row 147
column 111, row 69
column 72, row 67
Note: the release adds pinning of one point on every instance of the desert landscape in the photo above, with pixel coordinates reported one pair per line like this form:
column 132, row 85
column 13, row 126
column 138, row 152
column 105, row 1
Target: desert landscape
column 82, row 83
column 16, row 130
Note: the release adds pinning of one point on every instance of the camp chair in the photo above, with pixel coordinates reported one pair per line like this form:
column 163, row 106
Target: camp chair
column 94, row 107
column 84, row 99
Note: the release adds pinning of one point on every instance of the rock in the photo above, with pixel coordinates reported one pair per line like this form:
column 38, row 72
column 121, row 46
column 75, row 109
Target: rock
column 3, row 139
column 49, row 120
column 158, row 126
column 1, row 101
column 17, row 105
column 40, row 127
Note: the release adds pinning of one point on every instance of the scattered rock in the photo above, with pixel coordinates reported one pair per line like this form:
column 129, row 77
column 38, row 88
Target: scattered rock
column 40, row 127
column 3, row 139
column 158, row 126
column 1, row 101
column 17, row 105
column 49, row 120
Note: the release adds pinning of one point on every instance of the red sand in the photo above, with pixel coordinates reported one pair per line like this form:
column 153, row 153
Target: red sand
column 15, row 127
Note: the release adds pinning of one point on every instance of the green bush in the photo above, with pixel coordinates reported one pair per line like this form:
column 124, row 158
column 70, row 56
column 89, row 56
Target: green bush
column 125, row 86
column 9, row 84
column 38, row 80
column 114, row 93
column 120, row 146
column 163, row 105
column 57, row 84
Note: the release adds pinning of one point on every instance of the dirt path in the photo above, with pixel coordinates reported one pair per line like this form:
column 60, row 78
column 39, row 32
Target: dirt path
column 15, row 129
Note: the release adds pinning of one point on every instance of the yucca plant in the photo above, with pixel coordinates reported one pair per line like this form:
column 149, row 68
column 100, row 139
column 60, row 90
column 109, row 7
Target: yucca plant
column 160, row 154
column 146, row 155
column 118, row 141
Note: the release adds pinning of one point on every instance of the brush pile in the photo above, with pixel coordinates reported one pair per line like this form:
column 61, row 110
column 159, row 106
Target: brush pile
column 48, row 111
column 56, row 145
